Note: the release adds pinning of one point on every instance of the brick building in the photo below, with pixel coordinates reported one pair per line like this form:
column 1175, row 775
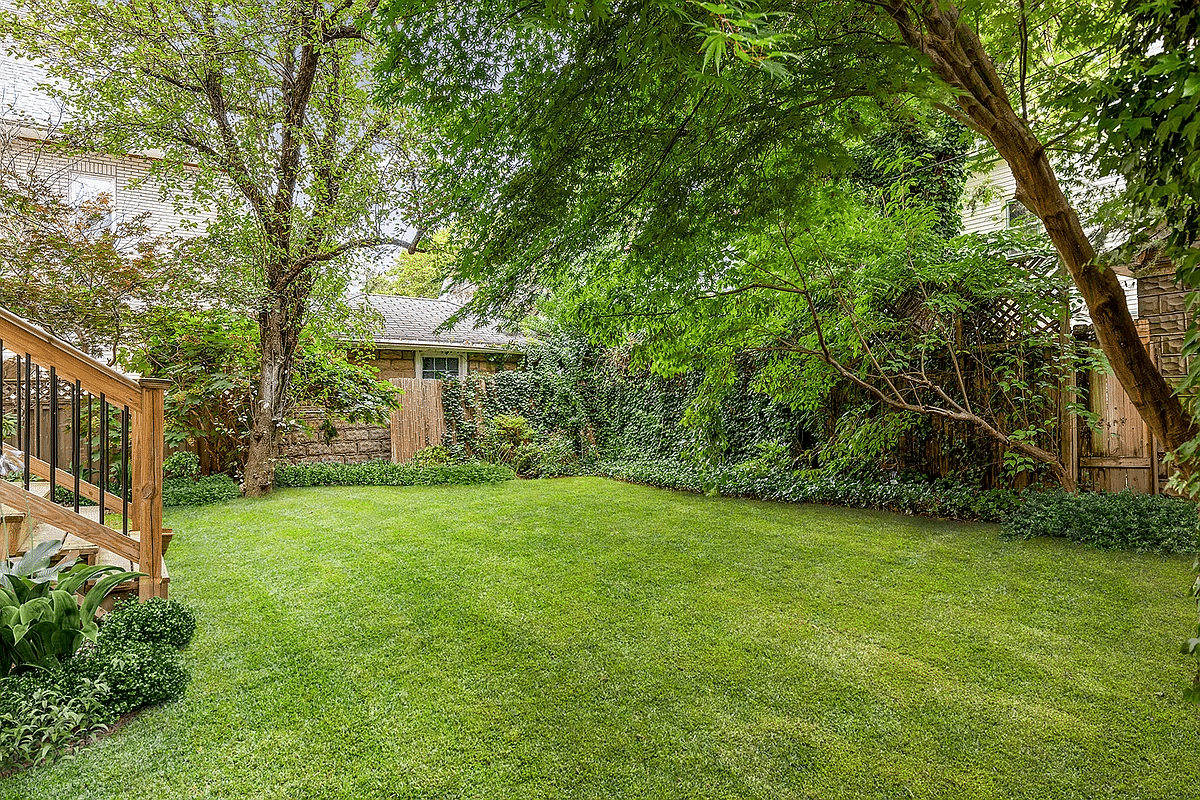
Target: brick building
column 29, row 118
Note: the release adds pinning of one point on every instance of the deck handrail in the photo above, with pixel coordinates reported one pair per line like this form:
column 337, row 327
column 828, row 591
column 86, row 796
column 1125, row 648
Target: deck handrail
column 71, row 362
column 139, row 405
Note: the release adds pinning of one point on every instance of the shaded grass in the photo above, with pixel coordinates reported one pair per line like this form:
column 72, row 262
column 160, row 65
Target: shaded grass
column 584, row 638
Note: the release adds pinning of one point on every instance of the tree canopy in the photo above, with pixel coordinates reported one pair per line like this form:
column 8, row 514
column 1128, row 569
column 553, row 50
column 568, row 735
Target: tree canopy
column 261, row 109
column 640, row 140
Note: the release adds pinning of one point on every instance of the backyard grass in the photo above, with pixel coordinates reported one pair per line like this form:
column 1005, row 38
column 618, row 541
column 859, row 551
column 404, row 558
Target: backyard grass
column 583, row 638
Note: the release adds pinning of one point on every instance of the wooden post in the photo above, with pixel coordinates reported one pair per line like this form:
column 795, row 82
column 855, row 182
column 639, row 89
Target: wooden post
column 147, row 487
column 1068, row 393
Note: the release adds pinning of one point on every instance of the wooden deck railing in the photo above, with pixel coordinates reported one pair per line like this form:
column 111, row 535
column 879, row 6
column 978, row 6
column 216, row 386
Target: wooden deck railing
column 86, row 428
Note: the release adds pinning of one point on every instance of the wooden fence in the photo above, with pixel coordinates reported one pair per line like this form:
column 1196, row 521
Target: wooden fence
column 419, row 422
column 1120, row 453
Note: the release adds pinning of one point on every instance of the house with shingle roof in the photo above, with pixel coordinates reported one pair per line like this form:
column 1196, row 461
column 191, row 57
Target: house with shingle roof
column 413, row 341
column 30, row 123
column 415, row 349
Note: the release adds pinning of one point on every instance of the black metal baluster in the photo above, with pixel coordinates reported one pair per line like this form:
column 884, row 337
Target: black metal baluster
column 17, row 405
column 91, row 462
column 28, row 424
column 2, row 392
column 103, row 479
column 37, row 416
column 53, row 433
column 125, row 471
column 76, row 413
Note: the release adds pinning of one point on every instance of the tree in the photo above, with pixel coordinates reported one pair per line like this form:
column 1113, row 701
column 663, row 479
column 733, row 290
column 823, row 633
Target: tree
column 211, row 358
column 851, row 300
column 261, row 113
column 78, row 270
column 420, row 273
column 1145, row 110
column 645, row 136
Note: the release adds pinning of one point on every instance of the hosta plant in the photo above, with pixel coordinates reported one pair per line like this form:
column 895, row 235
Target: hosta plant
column 41, row 622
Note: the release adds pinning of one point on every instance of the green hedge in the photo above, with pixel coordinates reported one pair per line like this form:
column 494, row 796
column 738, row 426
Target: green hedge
column 1125, row 521
column 385, row 473
column 903, row 495
column 210, row 489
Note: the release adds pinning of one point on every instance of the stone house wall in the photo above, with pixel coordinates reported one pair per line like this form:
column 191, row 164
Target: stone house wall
column 355, row 443
column 1162, row 308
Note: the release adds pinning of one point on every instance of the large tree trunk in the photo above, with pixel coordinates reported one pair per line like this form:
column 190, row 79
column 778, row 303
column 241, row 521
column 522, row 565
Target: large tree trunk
column 958, row 57
column 279, row 334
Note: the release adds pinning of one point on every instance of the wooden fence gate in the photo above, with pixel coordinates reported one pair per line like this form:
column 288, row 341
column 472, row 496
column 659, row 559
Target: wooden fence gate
column 419, row 422
column 1120, row 453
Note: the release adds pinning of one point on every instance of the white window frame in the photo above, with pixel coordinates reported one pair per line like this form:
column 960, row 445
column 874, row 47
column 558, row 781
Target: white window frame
column 421, row 355
column 83, row 186
column 1016, row 214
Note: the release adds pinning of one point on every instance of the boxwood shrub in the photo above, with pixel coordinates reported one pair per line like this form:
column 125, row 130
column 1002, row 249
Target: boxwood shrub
column 137, row 674
column 156, row 620
column 1124, row 521
column 385, row 473
column 210, row 489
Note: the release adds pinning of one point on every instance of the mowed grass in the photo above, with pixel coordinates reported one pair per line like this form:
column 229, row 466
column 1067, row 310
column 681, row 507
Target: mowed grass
column 584, row 638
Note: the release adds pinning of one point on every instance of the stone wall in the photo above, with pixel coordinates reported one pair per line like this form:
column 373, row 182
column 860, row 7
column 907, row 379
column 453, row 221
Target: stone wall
column 355, row 443
column 1162, row 306
column 394, row 364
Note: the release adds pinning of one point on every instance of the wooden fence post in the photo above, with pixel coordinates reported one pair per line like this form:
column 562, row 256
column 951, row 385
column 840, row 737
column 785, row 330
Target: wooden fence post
column 147, row 487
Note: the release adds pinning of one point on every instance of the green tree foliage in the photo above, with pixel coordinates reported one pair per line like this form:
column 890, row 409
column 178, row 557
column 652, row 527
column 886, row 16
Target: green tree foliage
column 1146, row 110
column 420, row 273
column 643, row 141
column 211, row 358
column 261, row 112
column 79, row 270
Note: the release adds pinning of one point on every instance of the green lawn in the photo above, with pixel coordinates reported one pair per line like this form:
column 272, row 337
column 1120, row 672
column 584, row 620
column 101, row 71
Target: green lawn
column 583, row 638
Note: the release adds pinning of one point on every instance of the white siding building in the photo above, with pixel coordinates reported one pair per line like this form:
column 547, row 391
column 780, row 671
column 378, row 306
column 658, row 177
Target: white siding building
column 989, row 204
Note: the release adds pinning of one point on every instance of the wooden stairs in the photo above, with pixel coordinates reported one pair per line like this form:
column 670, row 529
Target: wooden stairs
column 20, row 531
column 70, row 425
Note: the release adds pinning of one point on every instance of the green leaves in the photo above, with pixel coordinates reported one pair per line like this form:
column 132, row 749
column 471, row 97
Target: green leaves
column 41, row 622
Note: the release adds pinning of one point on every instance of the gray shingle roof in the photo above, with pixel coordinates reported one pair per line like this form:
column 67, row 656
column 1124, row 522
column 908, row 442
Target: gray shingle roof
column 414, row 322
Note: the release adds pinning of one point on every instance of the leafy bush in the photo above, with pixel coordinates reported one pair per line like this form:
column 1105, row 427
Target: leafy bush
column 210, row 489
column 558, row 456
column 510, row 440
column 385, row 473
column 41, row 715
column 182, row 465
column 905, row 495
column 137, row 674
column 436, row 455
column 156, row 621
column 1124, row 521
column 41, row 623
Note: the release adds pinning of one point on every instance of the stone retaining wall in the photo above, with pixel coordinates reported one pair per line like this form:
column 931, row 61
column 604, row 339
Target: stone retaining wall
column 355, row 443
column 1162, row 303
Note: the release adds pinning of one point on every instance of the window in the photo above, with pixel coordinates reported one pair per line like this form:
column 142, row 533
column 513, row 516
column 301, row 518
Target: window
column 433, row 367
column 97, row 190
column 1016, row 213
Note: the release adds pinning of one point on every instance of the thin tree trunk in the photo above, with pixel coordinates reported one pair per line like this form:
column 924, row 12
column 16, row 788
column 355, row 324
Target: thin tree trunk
column 958, row 57
column 279, row 326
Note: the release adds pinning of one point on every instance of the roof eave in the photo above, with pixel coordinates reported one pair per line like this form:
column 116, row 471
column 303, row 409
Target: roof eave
column 421, row 344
